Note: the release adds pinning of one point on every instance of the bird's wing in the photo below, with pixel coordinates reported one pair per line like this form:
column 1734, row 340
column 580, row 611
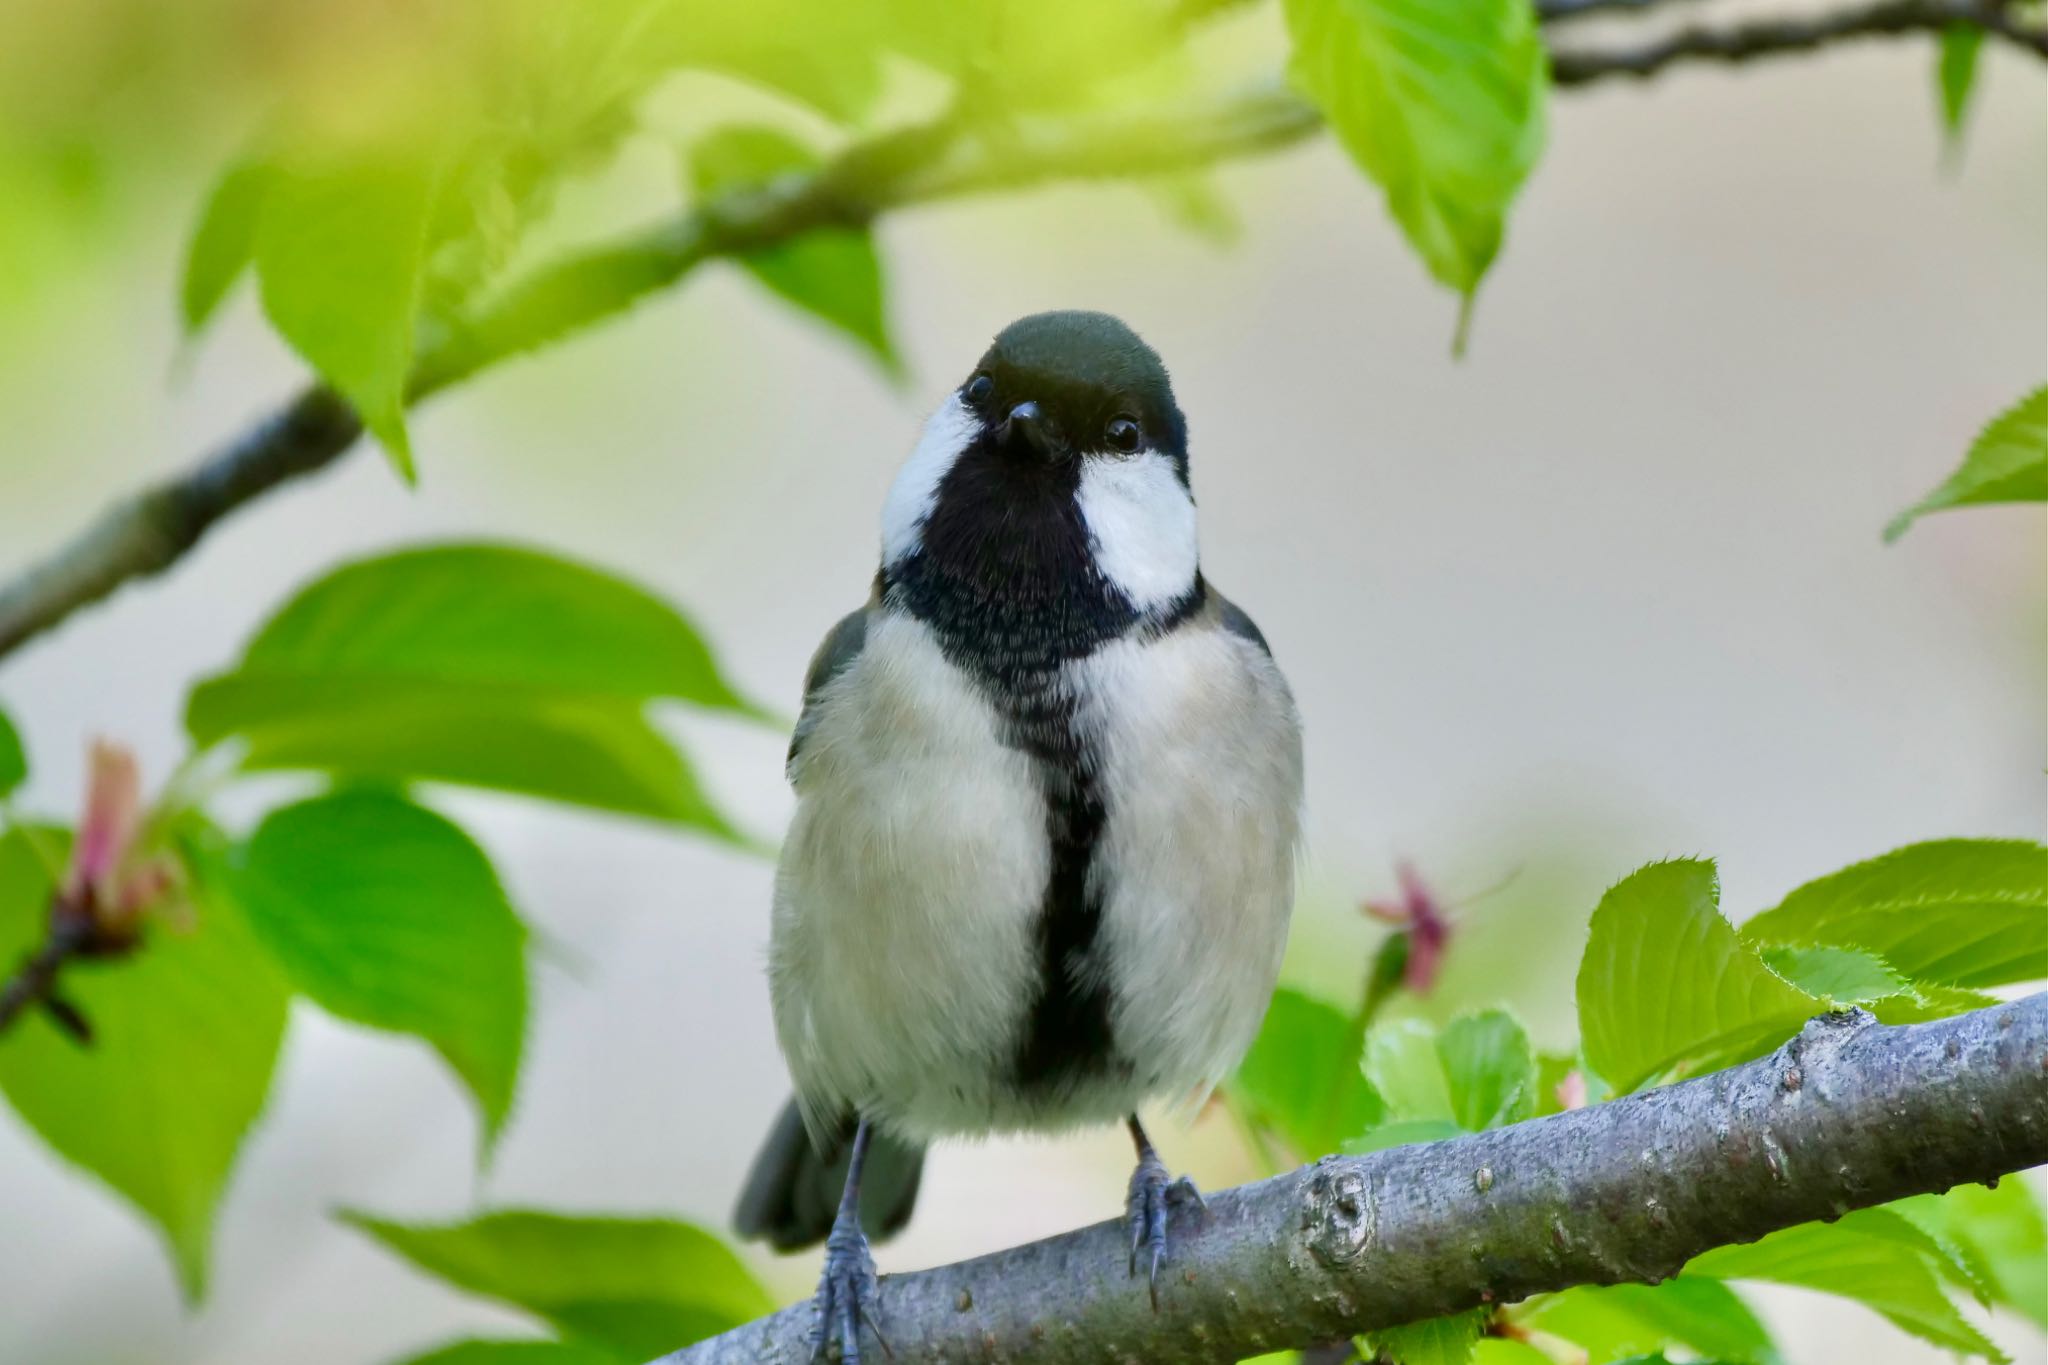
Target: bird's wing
column 1232, row 618
column 842, row 645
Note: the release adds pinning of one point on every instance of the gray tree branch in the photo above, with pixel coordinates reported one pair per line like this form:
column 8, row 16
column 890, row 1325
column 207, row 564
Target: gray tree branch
column 149, row 532
column 1848, row 1114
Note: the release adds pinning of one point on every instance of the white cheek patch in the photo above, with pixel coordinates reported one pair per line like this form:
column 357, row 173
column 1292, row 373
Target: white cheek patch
column 949, row 431
column 1142, row 523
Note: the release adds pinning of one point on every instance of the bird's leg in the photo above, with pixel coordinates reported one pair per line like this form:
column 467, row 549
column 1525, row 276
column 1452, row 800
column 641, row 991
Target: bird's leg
column 847, row 1289
column 1152, row 1193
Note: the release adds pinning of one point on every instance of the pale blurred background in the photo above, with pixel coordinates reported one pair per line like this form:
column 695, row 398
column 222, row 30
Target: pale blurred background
column 1609, row 589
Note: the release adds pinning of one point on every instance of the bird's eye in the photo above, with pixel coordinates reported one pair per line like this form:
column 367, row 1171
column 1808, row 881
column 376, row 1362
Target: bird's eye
column 1122, row 433
column 979, row 388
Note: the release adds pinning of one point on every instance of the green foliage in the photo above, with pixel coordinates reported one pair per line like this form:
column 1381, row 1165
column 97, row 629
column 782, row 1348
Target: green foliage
column 1434, row 1341
column 640, row 1287
column 341, row 248
column 1843, row 976
column 2008, row 462
column 520, row 1353
column 1955, row 75
column 386, row 914
column 1442, row 105
column 832, row 273
column 1958, row 912
column 1502, row 1351
column 478, row 664
column 1666, row 983
column 1855, row 1260
column 186, row 1033
column 1302, row 1077
column 1686, row 1313
column 1999, row 1233
column 223, row 243
column 13, row 759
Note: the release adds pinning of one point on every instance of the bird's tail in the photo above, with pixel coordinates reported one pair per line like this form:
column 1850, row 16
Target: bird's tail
column 792, row 1193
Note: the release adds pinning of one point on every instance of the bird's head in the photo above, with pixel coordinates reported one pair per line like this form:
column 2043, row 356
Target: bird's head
column 1063, row 451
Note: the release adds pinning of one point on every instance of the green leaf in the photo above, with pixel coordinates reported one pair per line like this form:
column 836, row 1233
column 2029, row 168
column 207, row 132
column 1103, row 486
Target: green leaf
column 1433, row 1341
column 2000, row 1232
column 1406, row 1072
column 1955, row 73
column 1923, row 1002
column 1666, row 983
column 1845, row 976
column 520, row 1353
column 1302, row 1076
column 186, row 1031
column 479, row 664
column 1502, row 1351
column 1441, row 104
column 13, row 759
column 223, row 241
column 639, row 1286
column 834, row 274
column 1401, row 1133
column 341, row 250
column 386, row 914
column 1848, row 1260
column 2008, row 462
column 1611, row 1322
column 1959, row 912
column 1490, row 1068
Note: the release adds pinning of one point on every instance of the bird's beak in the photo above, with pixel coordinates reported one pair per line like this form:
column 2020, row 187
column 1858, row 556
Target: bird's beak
column 1028, row 429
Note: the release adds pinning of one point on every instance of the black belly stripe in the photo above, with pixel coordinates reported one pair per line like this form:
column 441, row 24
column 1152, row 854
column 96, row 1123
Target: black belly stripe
column 1013, row 608
column 1067, row 1036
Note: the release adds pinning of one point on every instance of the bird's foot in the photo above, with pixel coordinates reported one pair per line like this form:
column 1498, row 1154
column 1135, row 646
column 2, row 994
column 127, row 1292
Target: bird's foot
column 1153, row 1195
column 847, row 1294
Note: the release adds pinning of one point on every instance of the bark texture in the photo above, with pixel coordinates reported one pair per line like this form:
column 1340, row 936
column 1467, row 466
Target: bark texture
column 1848, row 1114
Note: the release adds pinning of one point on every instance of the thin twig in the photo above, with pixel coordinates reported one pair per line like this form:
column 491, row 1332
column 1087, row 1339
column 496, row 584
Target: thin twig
column 148, row 533
column 35, row 983
column 1785, row 36
column 1847, row 1115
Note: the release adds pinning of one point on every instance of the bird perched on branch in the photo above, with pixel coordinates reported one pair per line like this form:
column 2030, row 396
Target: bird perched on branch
column 1048, row 789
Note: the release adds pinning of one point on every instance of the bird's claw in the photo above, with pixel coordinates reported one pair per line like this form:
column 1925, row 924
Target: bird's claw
column 1153, row 1194
column 847, row 1293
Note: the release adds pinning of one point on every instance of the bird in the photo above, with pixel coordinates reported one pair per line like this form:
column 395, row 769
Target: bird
column 1048, row 800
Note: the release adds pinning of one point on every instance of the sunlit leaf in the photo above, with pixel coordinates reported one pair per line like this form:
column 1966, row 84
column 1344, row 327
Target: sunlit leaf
column 186, row 1032
column 2002, row 1234
column 832, row 273
column 1960, row 912
column 1847, row 1260
column 1441, row 104
column 13, row 759
column 1502, row 1351
column 2008, row 462
column 1434, row 1341
column 521, row 1353
column 341, row 249
column 1401, row 1133
column 1302, row 1076
column 485, row 665
column 386, row 914
column 1666, row 981
column 1490, row 1068
column 640, row 1286
column 1688, row 1312
column 223, row 241
column 1846, row 976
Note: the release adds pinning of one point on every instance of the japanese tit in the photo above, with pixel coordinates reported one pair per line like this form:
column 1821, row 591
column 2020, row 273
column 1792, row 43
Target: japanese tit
column 1048, row 795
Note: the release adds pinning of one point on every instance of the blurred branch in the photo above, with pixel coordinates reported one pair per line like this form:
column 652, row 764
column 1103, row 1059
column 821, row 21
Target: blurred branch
column 1846, row 1115
column 35, row 983
column 147, row 533
column 1783, row 37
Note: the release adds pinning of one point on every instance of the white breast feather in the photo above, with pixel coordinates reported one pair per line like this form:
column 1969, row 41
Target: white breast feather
column 907, row 895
